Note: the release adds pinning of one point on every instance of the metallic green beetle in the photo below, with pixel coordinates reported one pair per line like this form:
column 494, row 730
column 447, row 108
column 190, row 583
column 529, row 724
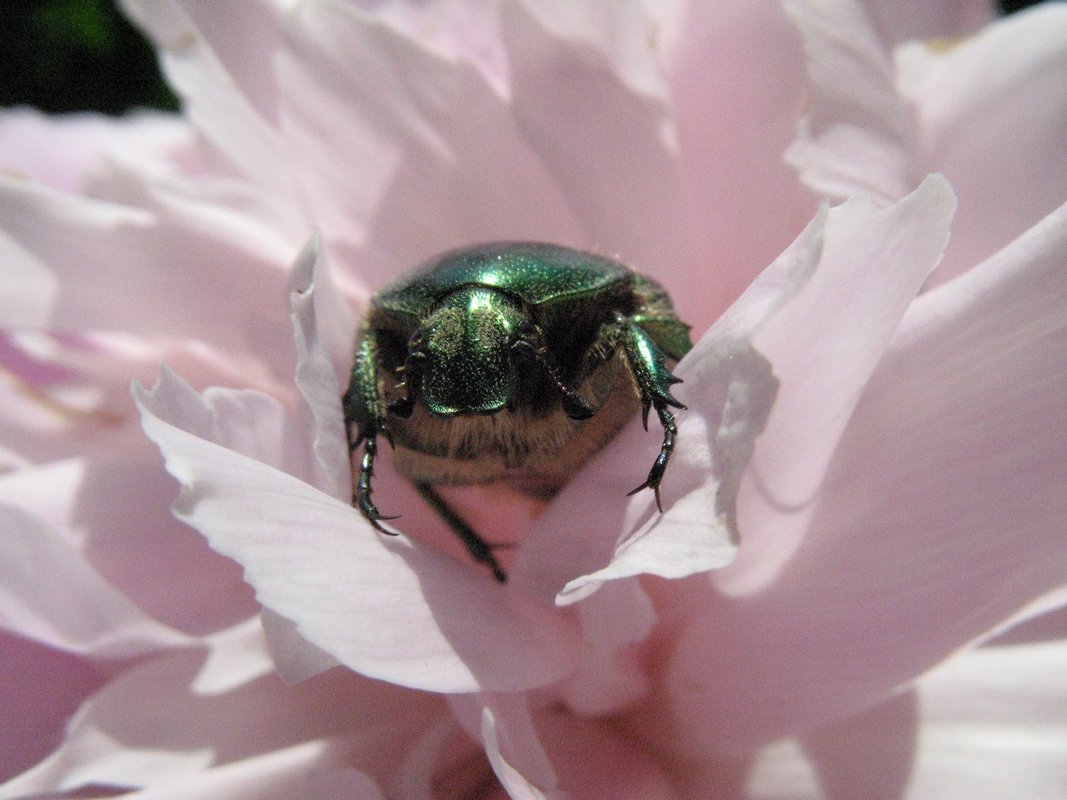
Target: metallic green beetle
column 511, row 361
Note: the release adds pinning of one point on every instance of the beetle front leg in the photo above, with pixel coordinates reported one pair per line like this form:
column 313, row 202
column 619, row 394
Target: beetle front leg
column 361, row 495
column 364, row 408
column 659, row 466
column 654, row 380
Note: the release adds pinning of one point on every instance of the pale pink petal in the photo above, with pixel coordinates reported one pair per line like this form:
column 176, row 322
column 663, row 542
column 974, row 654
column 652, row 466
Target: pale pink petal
column 30, row 287
column 938, row 519
column 237, row 187
column 568, row 95
column 870, row 755
column 1043, row 620
column 295, row 658
column 593, row 760
column 157, row 725
column 823, row 347
column 857, row 135
column 384, row 606
column 514, row 782
column 730, row 382
column 48, row 493
column 211, row 100
column 277, row 775
column 103, row 254
column 443, row 760
column 900, row 20
column 734, row 118
column 986, row 723
column 245, row 421
column 39, row 689
column 456, row 30
column 325, row 333
column 610, row 675
column 51, row 593
column 65, row 151
column 243, row 38
column 65, row 395
column 236, row 657
column 341, row 784
column 435, row 147
column 115, row 512
column 505, row 726
column 122, row 512
column 994, row 724
column 997, row 134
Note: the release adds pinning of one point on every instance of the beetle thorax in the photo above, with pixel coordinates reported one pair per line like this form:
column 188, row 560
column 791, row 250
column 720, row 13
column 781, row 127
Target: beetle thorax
column 464, row 352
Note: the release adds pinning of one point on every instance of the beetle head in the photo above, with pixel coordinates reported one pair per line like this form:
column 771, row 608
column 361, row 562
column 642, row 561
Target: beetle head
column 461, row 359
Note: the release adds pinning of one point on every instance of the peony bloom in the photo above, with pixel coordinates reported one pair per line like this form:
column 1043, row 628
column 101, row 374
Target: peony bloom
column 858, row 586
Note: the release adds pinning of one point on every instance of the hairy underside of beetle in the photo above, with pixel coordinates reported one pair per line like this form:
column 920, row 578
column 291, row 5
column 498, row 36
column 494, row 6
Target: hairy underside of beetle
column 535, row 450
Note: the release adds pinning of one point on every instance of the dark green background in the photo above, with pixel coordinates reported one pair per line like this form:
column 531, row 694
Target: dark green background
column 77, row 55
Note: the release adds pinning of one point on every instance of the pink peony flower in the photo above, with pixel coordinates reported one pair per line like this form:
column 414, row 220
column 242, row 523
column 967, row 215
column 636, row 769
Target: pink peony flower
column 858, row 586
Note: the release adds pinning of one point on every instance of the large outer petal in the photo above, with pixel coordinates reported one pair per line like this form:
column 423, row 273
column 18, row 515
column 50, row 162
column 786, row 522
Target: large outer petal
column 64, row 151
column 994, row 724
column 51, row 593
column 39, row 689
column 244, row 37
column 996, row 133
column 823, row 347
column 114, row 517
column 245, row 142
column 380, row 605
column 123, row 268
column 941, row 514
column 734, row 117
column 595, row 111
column 401, row 151
column 989, row 723
column 157, row 726
column 880, row 125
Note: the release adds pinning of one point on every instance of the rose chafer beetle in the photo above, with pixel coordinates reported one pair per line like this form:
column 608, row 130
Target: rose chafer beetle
column 511, row 361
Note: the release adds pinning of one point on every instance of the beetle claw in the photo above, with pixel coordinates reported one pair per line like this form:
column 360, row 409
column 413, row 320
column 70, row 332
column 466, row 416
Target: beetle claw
column 376, row 522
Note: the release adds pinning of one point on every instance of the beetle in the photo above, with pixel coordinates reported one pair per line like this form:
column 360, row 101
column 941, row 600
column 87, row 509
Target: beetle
column 509, row 361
